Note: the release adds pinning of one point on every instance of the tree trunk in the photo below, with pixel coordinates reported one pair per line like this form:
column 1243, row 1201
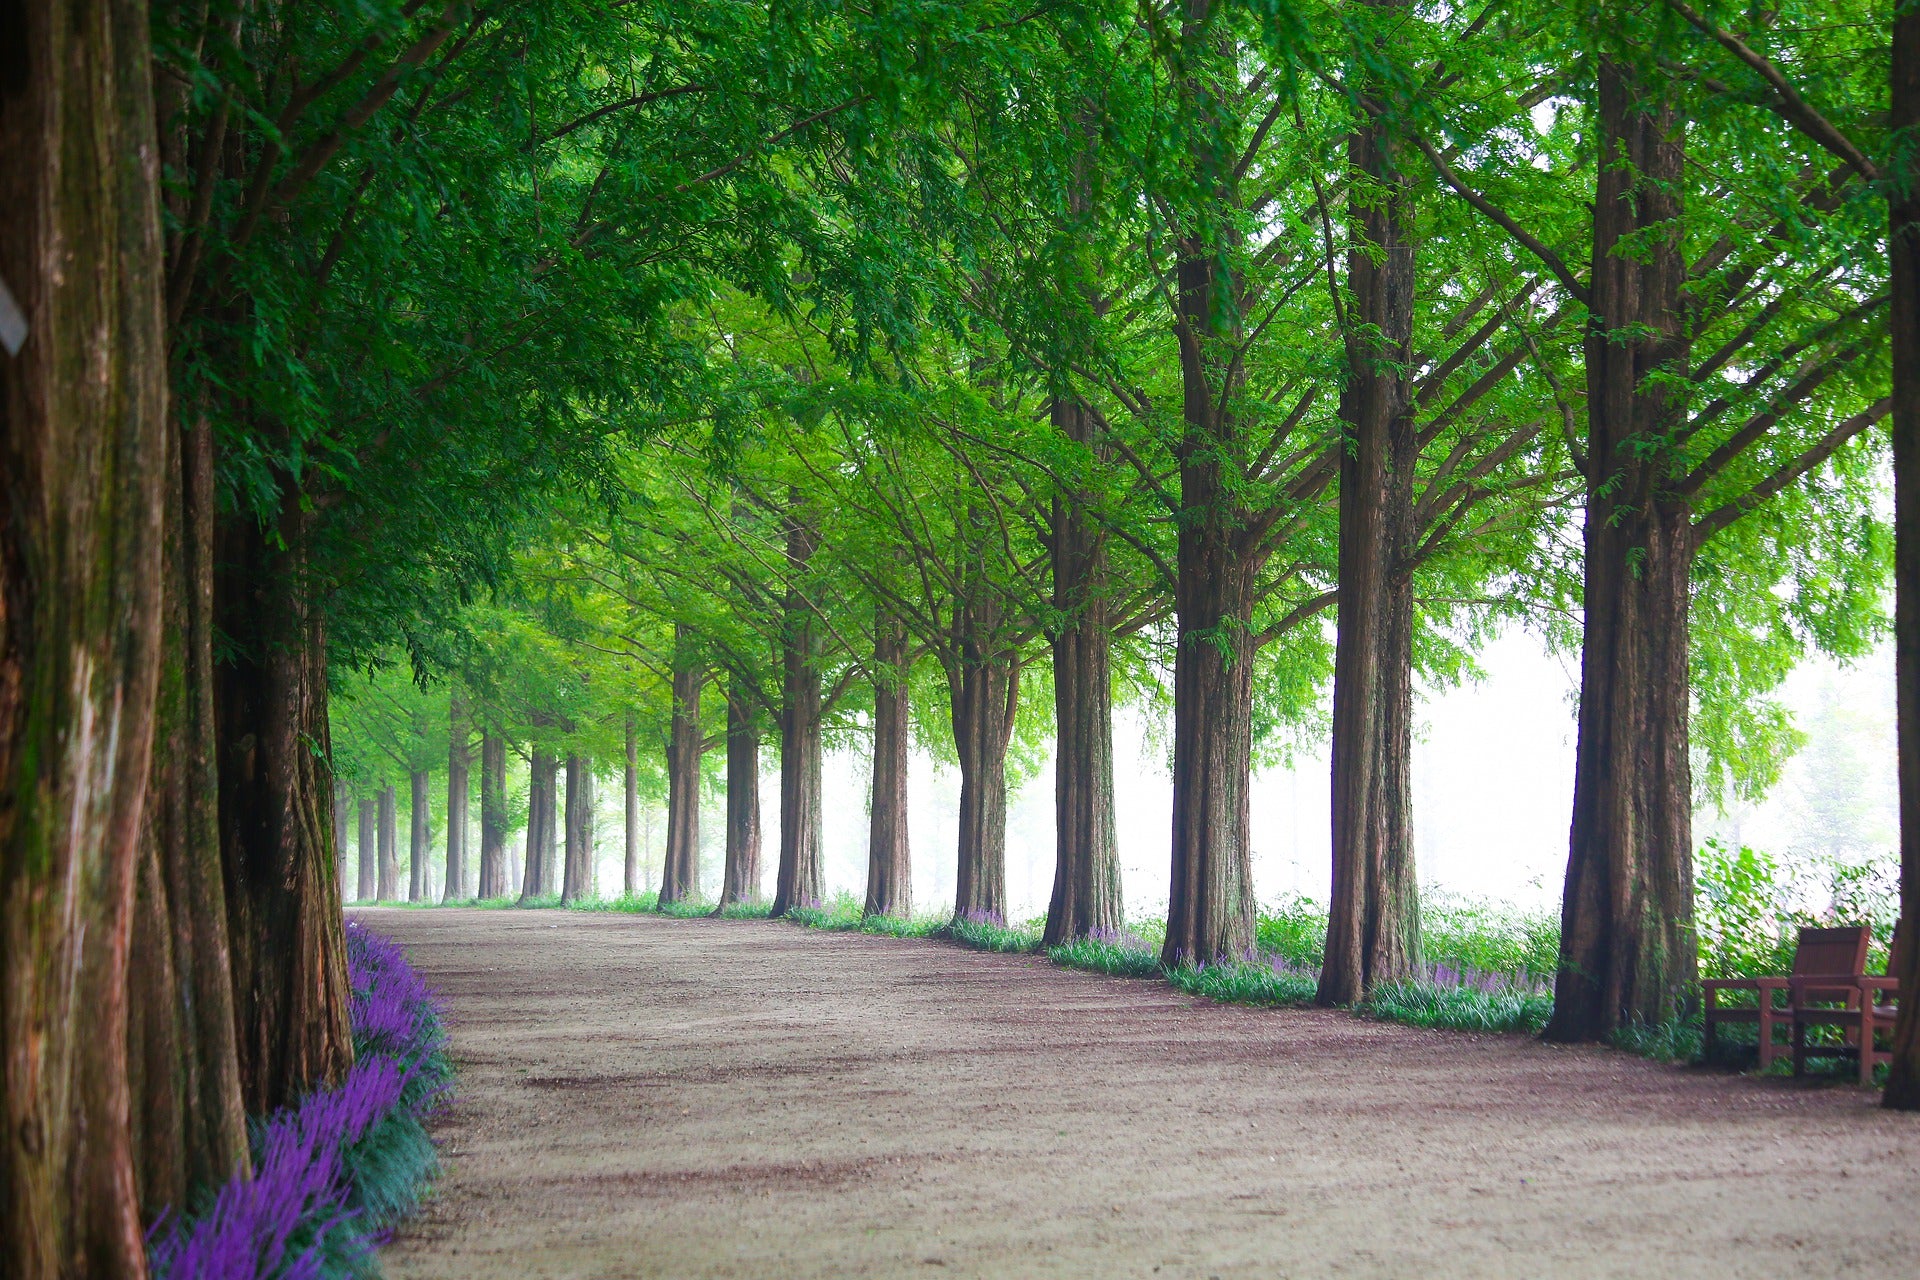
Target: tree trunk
column 1627, row 949
column 1086, row 877
column 1373, row 913
column 83, row 427
column 389, row 845
column 342, row 806
column 680, row 877
column 1210, row 910
column 889, row 863
column 459, row 761
column 631, row 777
column 800, row 881
column 1903, row 1082
column 741, row 882
column 537, row 864
column 285, row 928
column 420, row 836
column 189, row 1126
column 368, row 887
column 578, row 881
column 984, row 690
column 493, row 816
column 1392, row 939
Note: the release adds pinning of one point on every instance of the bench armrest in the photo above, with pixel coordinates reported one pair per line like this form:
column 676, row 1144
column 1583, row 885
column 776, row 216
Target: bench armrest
column 1763, row 988
column 1885, row 986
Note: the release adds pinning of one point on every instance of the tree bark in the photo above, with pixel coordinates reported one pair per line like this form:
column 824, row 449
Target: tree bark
column 493, row 816
column 800, row 881
column 342, row 807
column 984, row 690
column 389, row 845
column 1210, row 904
column 1086, row 878
column 1627, row 949
column 538, row 862
column 83, row 425
column 680, row 877
column 189, row 1125
column 368, row 887
column 459, row 761
column 1373, row 912
column 631, row 778
column 577, row 883
column 741, row 881
column 419, row 835
column 889, row 860
column 285, row 927
column 1903, row 1081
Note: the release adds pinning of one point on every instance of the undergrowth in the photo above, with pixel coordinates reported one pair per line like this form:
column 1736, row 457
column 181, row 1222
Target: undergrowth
column 989, row 933
column 1246, row 982
column 1116, row 955
column 335, row 1172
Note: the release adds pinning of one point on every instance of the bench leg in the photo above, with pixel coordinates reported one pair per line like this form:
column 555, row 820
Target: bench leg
column 1866, row 1042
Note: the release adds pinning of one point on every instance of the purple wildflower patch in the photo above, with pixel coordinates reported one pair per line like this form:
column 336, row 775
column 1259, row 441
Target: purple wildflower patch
column 301, row 1215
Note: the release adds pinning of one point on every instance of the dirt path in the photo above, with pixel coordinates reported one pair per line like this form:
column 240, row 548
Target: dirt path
column 651, row 1097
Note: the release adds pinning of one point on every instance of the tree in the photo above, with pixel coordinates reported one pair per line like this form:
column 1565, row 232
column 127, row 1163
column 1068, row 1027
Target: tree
column 84, row 445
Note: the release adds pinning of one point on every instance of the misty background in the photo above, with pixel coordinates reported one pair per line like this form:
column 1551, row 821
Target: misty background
column 1492, row 792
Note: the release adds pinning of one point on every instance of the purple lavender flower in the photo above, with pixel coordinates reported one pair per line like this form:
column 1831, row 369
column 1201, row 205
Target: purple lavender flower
column 278, row 1222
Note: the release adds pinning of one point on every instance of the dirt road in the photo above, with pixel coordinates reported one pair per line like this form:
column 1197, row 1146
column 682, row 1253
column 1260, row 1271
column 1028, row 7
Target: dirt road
column 651, row 1097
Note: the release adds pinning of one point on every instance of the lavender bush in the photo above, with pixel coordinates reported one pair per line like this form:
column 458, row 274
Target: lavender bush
column 333, row 1173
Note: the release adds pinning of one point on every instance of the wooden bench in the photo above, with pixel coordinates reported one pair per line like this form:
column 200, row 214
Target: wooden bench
column 1869, row 1009
column 1828, row 968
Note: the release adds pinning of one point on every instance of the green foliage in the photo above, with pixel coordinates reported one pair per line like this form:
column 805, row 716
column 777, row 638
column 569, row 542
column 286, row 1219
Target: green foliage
column 1461, row 1008
column 1483, row 937
column 1115, row 957
column 845, row 913
column 1295, row 930
column 1246, row 983
column 990, row 935
column 1751, row 905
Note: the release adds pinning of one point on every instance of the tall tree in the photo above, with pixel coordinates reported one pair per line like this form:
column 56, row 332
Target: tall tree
column 389, row 860
column 459, row 791
column 578, row 879
column 680, row 877
column 83, row 449
column 740, row 882
column 889, row 856
column 493, row 815
column 1373, row 923
column 419, row 835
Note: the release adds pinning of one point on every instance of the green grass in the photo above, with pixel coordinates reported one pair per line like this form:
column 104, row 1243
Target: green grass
column 1117, row 959
column 847, row 914
column 1245, row 982
column 990, row 935
column 1422, row 1004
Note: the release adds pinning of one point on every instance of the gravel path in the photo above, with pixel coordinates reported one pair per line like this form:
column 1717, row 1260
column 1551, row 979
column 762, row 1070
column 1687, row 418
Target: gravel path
column 650, row 1097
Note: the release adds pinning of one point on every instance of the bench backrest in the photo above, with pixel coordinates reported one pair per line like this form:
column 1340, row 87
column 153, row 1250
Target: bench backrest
column 1830, row 953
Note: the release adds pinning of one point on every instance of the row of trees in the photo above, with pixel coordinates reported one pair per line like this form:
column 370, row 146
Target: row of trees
column 810, row 367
